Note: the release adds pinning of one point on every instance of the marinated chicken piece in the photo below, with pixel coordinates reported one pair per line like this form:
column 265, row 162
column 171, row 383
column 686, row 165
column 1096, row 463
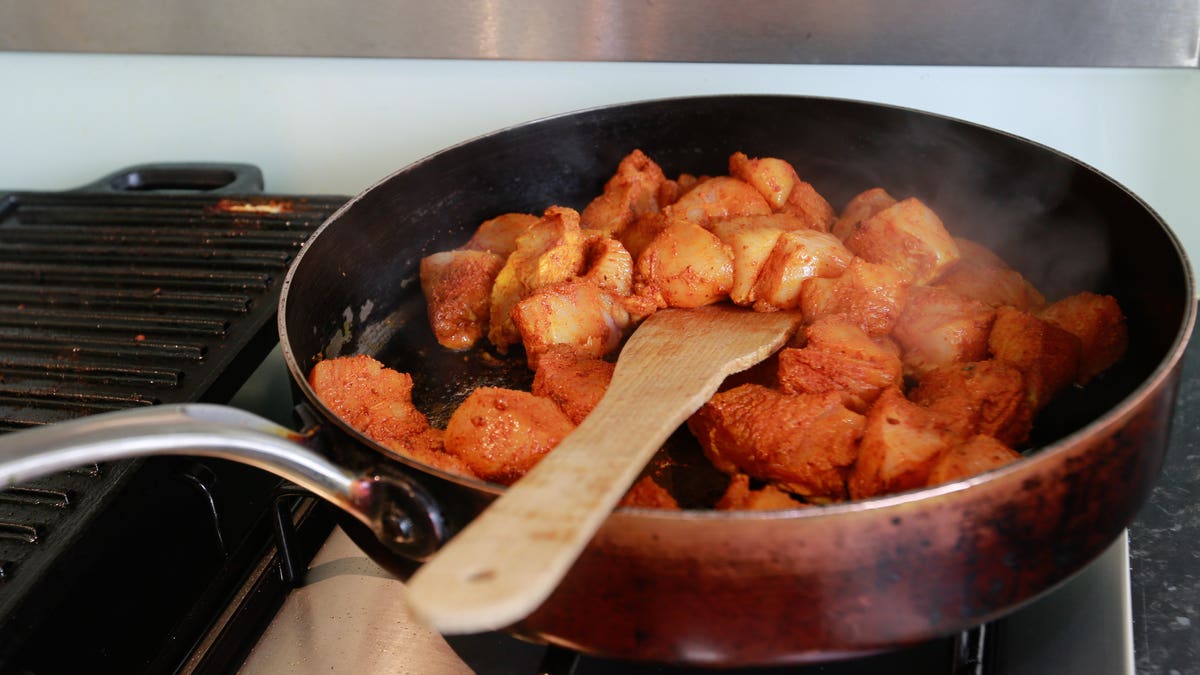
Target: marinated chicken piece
column 986, row 397
column 638, row 235
column 631, row 192
column 1046, row 355
column 575, row 383
column 939, row 327
column 859, row 208
column 901, row 444
column 869, row 295
column 550, row 251
column 591, row 321
column 458, row 291
column 839, row 357
column 773, row 178
column 718, row 198
column 377, row 401
column 776, row 180
column 981, row 275
column 798, row 255
column 684, row 266
column 805, row 443
column 647, row 494
column 907, row 236
column 502, row 433
column 751, row 239
column 499, row 235
column 607, row 264
column 1099, row 324
column 977, row 455
column 741, row 495
column 671, row 190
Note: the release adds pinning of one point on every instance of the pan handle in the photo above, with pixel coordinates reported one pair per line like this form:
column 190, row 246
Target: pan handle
column 404, row 517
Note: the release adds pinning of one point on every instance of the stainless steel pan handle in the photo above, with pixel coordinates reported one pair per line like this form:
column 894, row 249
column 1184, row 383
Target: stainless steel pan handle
column 401, row 514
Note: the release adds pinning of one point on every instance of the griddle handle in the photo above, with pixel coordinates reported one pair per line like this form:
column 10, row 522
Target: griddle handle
column 181, row 177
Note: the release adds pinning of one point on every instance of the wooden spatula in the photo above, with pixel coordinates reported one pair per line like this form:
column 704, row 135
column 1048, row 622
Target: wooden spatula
column 504, row 564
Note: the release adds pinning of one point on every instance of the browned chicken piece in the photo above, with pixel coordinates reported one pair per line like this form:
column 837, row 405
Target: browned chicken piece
column 907, row 236
column 684, row 266
column 647, row 494
column 591, row 321
column 718, row 198
column 575, row 383
column 742, row 496
column 751, row 239
column 985, row 397
column 458, row 291
column 869, row 295
column 549, row 251
column 776, row 180
column 499, row 235
column 839, row 357
column 377, row 401
column 1099, row 323
column 607, row 264
column 979, row 454
column 638, row 235
column 798, row 255
column 1046, row 355
column 671, row 190
column 939, row 327
column 502, row 433
column 982, row 275
column 632, row 192
column 859, row 208
column 900, row 445
column 805, row 443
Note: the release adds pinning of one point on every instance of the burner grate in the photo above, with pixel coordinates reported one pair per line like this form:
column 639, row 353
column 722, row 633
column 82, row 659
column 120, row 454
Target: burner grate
column 112, row 299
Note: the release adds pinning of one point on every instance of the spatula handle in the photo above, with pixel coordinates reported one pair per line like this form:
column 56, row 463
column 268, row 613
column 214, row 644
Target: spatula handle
column 510, row 558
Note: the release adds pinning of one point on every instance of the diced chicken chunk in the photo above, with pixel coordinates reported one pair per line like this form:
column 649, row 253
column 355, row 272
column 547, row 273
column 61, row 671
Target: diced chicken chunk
column 938, row 327
column 684, row 266
column 647, row 494
column 607, row 265
column 859, row 208
column 900, row 445
column 803, row 442
column 776, row 180
column 751, row 240
column 718, row 198
column 632, row 192
column 549, row 251
column 1046, row 355
column 1099, row 323
column 866, row 294
column 499, row 235
column 981, row 275
column 589, row 320
column 907, row 236
column 502, row 433
column 986, row 397
column 839, row 357
column 458, row 291
column 377, row 401
column 977, row 455
column 741, row 495
column 798, row 255
column 574, row 382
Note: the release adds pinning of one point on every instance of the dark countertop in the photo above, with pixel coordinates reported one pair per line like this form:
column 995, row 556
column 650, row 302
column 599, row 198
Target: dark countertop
column 1164, row 545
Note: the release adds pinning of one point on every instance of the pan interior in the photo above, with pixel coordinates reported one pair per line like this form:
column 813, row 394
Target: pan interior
column 1064, row 226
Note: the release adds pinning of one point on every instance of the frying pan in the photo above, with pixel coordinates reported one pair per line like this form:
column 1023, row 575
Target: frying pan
column 699, row 586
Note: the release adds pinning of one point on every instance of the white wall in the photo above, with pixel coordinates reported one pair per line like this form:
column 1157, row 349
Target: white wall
column 337, row 125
